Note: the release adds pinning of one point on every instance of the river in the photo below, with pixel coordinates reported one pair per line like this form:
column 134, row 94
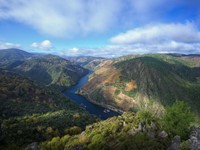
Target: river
column 84, row 103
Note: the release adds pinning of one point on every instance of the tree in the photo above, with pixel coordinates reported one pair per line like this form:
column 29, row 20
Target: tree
column 178, row 118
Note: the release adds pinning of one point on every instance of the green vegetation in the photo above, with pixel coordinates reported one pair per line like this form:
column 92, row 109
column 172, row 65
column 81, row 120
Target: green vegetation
column 161, row 80
column 97, row 95
column 30, row 112
column 129, row 131
column 117, row 92
column 178, row 118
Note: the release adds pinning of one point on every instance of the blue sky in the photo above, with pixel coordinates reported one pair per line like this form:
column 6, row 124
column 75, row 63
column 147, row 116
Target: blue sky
column 101, row 27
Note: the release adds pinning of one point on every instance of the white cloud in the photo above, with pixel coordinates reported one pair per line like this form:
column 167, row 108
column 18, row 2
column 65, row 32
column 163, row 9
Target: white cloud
column 45, row 45
column 74, row 50
column 188, row 33
column 66, row 18
column 161, row 38
column 7, row 45
column 63, row 18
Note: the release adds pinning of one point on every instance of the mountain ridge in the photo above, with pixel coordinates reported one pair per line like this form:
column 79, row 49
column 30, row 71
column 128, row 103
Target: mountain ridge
column 143, row 80
column 48, row 69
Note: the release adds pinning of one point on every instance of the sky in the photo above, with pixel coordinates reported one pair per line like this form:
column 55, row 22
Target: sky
column 106, row 28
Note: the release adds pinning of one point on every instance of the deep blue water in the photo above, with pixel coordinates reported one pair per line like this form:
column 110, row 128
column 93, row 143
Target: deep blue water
column 87, row 105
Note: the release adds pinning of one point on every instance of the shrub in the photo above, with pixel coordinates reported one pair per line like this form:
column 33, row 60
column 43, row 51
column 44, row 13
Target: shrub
column 146, row 116
column 117, row 92
column 177, row 119
column 98, row 143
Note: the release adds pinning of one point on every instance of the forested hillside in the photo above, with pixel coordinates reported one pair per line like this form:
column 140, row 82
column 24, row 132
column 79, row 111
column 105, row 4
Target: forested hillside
column 49, row 70
column 30, row 112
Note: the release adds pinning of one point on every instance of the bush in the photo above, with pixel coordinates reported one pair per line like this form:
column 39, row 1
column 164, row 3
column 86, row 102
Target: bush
column 98, row 143
column 117, row 92
column 178, row 118
column 145, row 116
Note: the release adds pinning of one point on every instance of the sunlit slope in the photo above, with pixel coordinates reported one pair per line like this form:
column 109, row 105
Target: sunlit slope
column 145, row 81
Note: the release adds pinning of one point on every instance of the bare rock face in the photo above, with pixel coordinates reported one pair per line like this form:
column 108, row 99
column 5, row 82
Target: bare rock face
column 176, row 142
column 195, row 139
column 163, row 134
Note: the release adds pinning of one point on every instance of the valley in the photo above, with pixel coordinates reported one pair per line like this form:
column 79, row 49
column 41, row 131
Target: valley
column 92, row 108
column 99, row 74
column 49, row 102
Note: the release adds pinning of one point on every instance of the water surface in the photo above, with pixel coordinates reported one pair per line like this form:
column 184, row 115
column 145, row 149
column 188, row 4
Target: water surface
column 87, row 105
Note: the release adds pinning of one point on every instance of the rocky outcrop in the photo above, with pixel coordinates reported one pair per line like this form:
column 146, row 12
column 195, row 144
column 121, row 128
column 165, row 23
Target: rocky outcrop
column 176, row 142
column 192, row 143
column 163, row 134
column 195, row 139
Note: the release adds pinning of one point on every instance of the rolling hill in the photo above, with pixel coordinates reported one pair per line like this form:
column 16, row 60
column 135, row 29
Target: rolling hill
column 145, row 82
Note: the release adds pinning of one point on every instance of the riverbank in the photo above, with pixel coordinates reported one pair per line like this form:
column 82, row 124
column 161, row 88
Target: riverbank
column 86, row 95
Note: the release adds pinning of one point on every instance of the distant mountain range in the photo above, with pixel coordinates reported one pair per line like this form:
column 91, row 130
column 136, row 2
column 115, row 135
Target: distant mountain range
column 138, row 82
column 47, row 69
column 88, row 62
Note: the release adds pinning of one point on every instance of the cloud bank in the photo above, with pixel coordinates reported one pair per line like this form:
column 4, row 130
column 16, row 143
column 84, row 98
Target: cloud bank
column 157, row 38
